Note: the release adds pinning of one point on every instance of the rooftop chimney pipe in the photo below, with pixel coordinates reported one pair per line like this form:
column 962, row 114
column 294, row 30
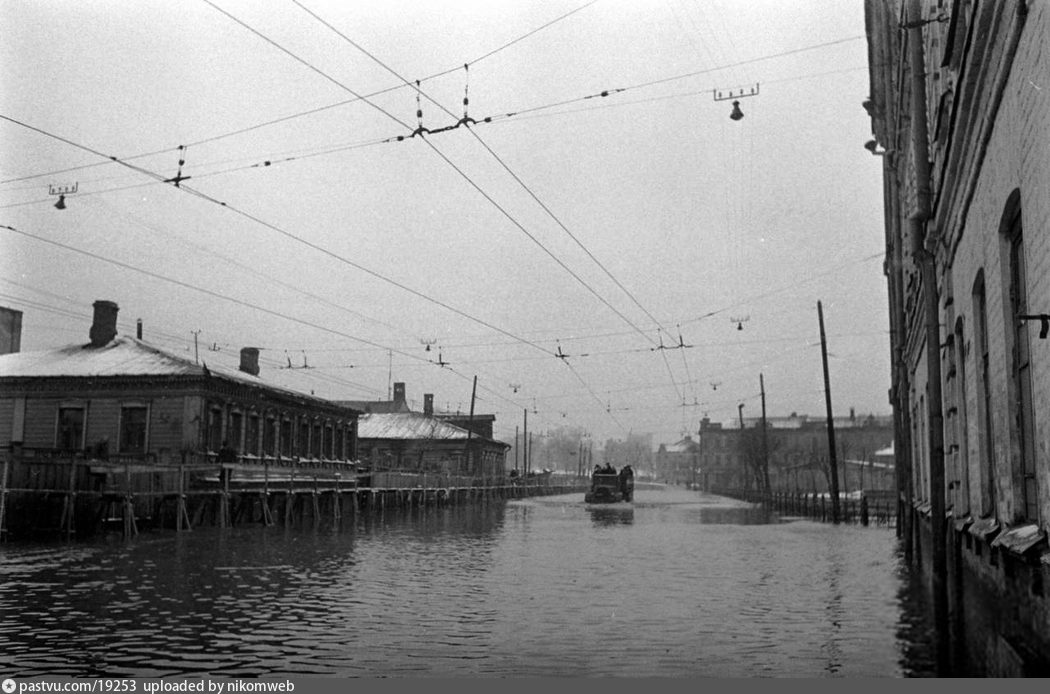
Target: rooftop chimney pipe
column 104, row 323
column 428, row 404
column 250, row 360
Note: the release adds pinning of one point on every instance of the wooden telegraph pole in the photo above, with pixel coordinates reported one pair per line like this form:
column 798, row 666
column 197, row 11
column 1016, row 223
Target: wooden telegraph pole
column 832, row 456
column 765, row 442
column 525, row 446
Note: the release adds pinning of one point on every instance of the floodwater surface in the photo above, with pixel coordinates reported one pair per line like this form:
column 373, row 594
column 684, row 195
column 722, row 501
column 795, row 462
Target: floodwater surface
column 677, row 584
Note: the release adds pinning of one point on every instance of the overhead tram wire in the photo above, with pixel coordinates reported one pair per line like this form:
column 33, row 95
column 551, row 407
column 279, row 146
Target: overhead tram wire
column 189, row 190
column 265, row 163
column 246, row 267
column 501, row 209
column 531, row 113
column 224, row 297
column 192, row 191
column 419, row 91
column 490, row 119
column 208, row 292
column 523, row 185
column 430, row 144
column 309, row 112
column 272, row 161
column 441, row 154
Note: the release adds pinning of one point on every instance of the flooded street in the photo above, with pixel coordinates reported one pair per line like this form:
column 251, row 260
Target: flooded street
column 677, row 584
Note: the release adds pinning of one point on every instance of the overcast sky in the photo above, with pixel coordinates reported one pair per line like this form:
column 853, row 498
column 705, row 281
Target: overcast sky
column 599, row 228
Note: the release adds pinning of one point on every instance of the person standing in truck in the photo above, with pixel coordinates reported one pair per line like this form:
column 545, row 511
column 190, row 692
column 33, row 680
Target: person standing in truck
column 626, row 482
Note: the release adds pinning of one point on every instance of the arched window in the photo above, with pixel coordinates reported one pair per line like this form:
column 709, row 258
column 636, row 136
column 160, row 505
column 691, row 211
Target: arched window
column 1022, row 421
column 962, row 425
column 985, row 431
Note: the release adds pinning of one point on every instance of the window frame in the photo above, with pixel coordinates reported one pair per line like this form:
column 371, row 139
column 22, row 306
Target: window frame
column 137, row 405
column 71, row 405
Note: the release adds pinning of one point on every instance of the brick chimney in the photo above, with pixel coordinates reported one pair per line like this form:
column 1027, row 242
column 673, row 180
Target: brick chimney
column 428, row 404
column 399, row 396
column 104, row 324
column 250, row 360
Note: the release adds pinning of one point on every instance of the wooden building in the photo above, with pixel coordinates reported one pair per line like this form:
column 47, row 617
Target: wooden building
column 402, row 447
column 118, row 415
column 413, row 448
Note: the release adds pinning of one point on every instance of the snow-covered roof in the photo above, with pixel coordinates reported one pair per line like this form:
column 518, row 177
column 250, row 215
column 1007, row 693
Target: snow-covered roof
column 407, row 425
column 124, row 357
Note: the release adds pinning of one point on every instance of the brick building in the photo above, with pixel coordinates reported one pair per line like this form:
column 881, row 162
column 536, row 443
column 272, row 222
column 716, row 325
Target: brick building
column 797, row 449
column 960, row 108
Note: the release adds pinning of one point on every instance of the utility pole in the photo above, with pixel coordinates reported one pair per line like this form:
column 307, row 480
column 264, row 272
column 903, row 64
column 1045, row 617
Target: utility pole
column 525, row 446
column 515, row 448
column 470, row 427
column 196, row 360
column 528, row 464
column 740, row 414
column 765, row 442
column 832, row 456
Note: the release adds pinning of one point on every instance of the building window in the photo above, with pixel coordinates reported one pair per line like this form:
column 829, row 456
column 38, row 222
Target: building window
column 329, row 439
column 70, row 434
column 134, row 421
column 985, row 432
column 1021, row 368
column 270, row 437
column 286, row 437
column 316, row 441
column 251, row 435
column 235, row 430
column 340, row 450
column 962, row 425
column 304, row 437
column 214, row 428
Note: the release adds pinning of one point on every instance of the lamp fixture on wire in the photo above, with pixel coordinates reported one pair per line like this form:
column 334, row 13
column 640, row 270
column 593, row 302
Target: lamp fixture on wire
column 736, row 94
column 62, row 192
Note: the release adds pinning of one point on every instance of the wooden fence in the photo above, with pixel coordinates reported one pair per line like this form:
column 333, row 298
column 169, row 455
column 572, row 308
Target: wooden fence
column 869, row 507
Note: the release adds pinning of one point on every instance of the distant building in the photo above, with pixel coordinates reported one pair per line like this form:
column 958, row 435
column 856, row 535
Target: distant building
column 415, row 444
column 678, row 462
column 727, row 457
column 399, row 445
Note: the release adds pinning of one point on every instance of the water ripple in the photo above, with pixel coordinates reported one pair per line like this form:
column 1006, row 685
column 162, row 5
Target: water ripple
column 677, row 585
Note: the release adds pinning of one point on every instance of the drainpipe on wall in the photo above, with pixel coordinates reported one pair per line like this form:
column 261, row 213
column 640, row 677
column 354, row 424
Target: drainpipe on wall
column 925, row 251
column 901, row 387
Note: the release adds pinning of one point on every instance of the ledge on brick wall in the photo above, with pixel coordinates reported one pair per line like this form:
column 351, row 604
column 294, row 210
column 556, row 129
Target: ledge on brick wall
column 1021, row 539
column 963, row 523
column 984, row 529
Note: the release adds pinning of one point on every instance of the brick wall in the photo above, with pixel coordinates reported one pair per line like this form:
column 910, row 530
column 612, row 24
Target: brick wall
column 1018, row 158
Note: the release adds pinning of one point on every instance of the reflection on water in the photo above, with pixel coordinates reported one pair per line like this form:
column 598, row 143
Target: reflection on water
column 611, row 514
column 676, row 584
